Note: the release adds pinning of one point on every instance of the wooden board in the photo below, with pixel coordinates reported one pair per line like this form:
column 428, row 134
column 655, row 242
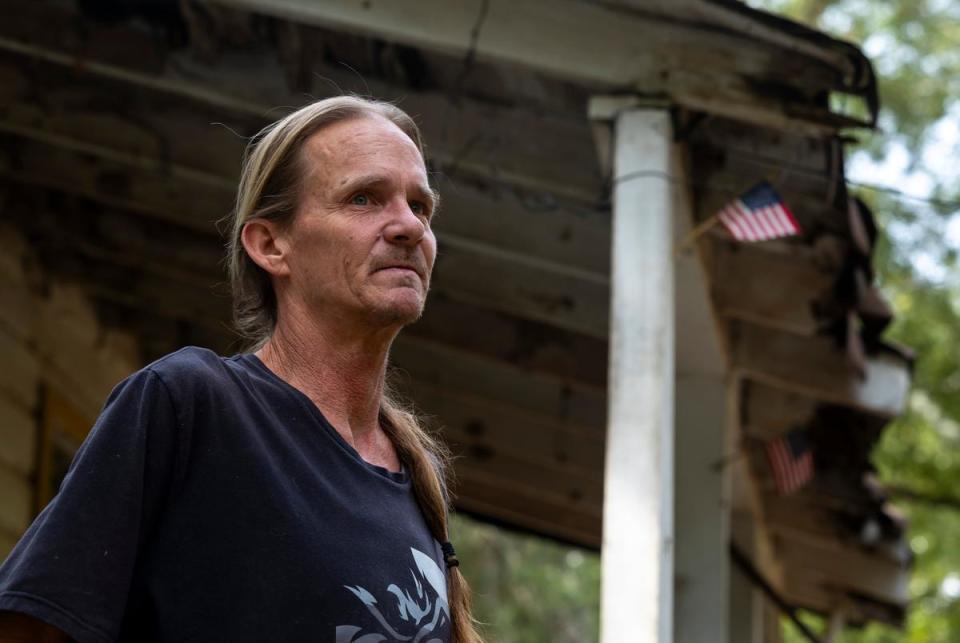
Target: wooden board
column 717, row 73
column 845, row 570
column 474, row 272
column 465, row 136
column 772, row 289
column 527, row 508
column 815, row 367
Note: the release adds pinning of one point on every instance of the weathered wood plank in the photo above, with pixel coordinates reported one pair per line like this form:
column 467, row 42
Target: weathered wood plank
column 486, row 426
column 529, row 345
column 548, row 399
column 771, row 289
column 816, row 367
column 847, row 568
column 171, row 137
column 837, row 528
column 251, row 86
column 777, row 147
column 192, row 199
column 199, row 302
column 527, row 508
column 565, row 403
column 769, row 412
column 715, row 73
column 562, row 484
column 149, row 266
column 473, row 272
column 578, row 302
column 558, row 37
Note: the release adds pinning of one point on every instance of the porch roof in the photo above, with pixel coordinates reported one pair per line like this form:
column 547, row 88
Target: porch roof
column 123, row 129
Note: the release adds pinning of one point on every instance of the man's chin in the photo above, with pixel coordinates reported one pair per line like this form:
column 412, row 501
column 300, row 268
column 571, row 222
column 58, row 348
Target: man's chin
column 400, row 311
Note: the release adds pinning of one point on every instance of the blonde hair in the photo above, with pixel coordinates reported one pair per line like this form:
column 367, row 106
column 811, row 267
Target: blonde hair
column 269, row 189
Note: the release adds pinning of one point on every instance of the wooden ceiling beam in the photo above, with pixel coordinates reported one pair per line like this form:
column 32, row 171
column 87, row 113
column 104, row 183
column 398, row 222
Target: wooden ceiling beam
column 550, row 448
column 155, row 131
column 636, row 46
column 494, row 414
column 717, row 74
column 527, row 508
column 172, row 194
column 171, row 139
column 526, row 344
column 771, row 289
column 846, row 569
column 793, row 151
column 572, row 240
column 182, row 261
column 546, row 460
column 769, row 412
column 565, row 404
column 466, row 137
column 552, row 483
column 553, row 460
column 817, row 368
column 483, row 428
column 554, row 399
column 809, row 521
column 467, row 270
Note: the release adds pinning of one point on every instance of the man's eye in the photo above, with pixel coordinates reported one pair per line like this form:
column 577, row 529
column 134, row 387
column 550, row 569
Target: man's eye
column 422, row 209
column 360, row 199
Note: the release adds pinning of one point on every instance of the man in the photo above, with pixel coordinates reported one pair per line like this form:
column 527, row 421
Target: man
column 278, row 495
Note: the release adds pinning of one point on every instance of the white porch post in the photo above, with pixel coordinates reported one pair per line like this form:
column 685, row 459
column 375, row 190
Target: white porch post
column 702, row 494
column 637, row 553
column 702, row 512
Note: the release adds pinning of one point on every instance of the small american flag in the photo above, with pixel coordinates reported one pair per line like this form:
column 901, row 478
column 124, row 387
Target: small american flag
column 758, row 215
column 791, row 461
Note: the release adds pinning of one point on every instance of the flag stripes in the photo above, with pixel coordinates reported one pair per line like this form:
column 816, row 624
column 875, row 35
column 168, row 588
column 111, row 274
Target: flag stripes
column 791, row 461
column 758, row 215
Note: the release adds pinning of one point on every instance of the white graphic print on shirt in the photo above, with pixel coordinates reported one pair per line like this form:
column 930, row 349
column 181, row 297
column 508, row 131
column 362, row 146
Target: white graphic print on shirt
column 411, row 617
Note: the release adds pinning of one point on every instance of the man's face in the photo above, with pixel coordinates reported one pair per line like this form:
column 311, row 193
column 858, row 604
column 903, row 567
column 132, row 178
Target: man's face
column 361, row 246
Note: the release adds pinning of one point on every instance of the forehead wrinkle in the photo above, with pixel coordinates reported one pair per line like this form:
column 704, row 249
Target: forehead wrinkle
column 340, row 145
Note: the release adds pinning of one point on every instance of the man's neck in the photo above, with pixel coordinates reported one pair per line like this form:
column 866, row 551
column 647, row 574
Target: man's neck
column 342, row 372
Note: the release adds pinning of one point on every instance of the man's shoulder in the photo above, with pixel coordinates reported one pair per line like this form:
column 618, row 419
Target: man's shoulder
column 187, row 361
column 191, row 367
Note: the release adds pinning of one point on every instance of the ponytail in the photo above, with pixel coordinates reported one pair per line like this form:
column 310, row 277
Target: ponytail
column 428, row 461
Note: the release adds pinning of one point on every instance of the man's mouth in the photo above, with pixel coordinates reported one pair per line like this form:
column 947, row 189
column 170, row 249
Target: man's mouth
column 399, row 267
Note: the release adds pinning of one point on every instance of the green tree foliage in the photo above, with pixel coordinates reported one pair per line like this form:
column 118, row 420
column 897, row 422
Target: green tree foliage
column 527, row 589
column 915, row 47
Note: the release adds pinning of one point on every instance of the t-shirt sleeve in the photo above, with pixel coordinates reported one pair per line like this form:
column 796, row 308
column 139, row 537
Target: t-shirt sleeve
column 74, row 566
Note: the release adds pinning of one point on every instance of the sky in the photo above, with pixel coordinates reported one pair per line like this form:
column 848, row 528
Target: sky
column 940, row 156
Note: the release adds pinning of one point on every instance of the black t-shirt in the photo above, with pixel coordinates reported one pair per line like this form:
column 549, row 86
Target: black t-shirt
column 213, row 502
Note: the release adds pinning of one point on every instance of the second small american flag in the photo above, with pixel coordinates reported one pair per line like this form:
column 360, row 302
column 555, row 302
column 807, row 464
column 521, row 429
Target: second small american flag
column 791, row 461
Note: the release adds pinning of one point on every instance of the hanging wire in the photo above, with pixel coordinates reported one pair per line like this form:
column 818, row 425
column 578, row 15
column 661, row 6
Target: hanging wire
column 906, row 196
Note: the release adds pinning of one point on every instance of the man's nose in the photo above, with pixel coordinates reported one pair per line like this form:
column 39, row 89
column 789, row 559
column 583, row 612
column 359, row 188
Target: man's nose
column 404, row 227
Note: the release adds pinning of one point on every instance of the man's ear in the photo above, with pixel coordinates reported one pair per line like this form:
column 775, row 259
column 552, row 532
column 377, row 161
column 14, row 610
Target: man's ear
column 266, row 245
